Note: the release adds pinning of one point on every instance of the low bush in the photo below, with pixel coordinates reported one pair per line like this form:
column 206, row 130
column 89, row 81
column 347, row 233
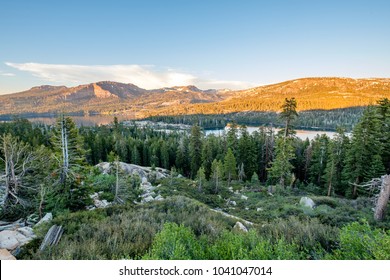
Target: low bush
column 358, row 241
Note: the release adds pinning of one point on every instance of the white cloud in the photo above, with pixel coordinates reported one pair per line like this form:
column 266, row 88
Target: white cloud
column 8, row 74
column 144, row 76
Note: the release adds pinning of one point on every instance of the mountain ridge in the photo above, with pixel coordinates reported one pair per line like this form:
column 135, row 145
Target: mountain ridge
column 108, row 97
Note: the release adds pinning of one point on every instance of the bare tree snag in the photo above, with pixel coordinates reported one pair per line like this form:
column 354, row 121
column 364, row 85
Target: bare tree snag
column 380, row 188
column 383, row 199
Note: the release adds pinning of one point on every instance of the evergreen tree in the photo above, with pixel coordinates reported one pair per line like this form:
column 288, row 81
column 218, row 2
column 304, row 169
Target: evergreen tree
column 281, row 168
column 231, row 138
column 268, row 151
column 164, row 155
column 230, row 166
column 384, row 117
column 195, row 149
column 135, row 155
column 182, row 163
column 319, row 159
column 288, row 114
column 216, row 174
column 335, row 165
column 255, row 179
column 247, row 151
column 365, row 147
column 68, row 191
column 200, row 178
column 208, row 154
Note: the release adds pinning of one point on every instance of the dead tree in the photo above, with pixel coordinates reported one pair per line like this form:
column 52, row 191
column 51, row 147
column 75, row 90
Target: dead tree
column 18, row 159
column 383, row 198
column 380, row 190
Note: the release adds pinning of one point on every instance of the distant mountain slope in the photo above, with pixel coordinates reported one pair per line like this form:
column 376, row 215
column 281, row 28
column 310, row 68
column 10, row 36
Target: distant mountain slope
column 112, row 97
column 311, row 94
column 101, row 97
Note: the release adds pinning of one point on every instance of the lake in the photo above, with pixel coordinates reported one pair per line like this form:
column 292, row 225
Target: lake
column 107, row 119
column 302, row 134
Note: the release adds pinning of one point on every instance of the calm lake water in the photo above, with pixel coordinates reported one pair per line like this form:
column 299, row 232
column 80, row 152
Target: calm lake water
column 302, row 134
column 106, row 119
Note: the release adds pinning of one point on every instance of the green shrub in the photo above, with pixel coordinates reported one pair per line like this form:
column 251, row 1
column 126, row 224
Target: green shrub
column 175, row 242
column 358, row 241
column 252, row 246
column 229, row 246
column 309, row 234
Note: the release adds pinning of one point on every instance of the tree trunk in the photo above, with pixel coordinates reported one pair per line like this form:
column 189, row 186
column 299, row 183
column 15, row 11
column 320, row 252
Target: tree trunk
column 354, row 192
column 331, row 179
column 383, row 199
column 65, row 152
column 117, row 180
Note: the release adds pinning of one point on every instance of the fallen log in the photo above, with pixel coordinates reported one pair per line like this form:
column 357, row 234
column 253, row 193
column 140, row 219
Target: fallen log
column 11, row 226
column 52, row 237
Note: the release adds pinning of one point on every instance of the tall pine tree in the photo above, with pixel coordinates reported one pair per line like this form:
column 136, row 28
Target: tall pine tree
column 365, row 148
column 195, row 149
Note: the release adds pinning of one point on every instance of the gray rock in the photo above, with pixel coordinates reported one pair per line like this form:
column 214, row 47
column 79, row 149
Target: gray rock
column 101, row 203
column 159, row 198
column 259, row 209
column 94, row 196
column 90, row 207
column 147, row 187
column 47, row 218
column 307, row 202
column 233, row 203
column 10, row 239
column 239, row 226
column 147, row 199
column 146, row 194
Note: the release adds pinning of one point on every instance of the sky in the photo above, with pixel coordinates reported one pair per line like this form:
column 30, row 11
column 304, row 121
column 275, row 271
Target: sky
column 211, row 44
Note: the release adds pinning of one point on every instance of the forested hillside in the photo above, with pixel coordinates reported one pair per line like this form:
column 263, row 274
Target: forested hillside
column 296, row 199
column 312, row 119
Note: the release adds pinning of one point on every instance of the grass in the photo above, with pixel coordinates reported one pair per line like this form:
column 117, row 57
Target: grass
column 281, row 229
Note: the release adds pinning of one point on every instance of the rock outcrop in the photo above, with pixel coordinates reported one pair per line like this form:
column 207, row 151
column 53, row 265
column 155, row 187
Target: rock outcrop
column 13, row 239
column 146, row 174
column 132, row 169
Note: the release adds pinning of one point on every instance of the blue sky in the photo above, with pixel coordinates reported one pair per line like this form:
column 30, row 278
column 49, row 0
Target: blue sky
column 212, row 44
